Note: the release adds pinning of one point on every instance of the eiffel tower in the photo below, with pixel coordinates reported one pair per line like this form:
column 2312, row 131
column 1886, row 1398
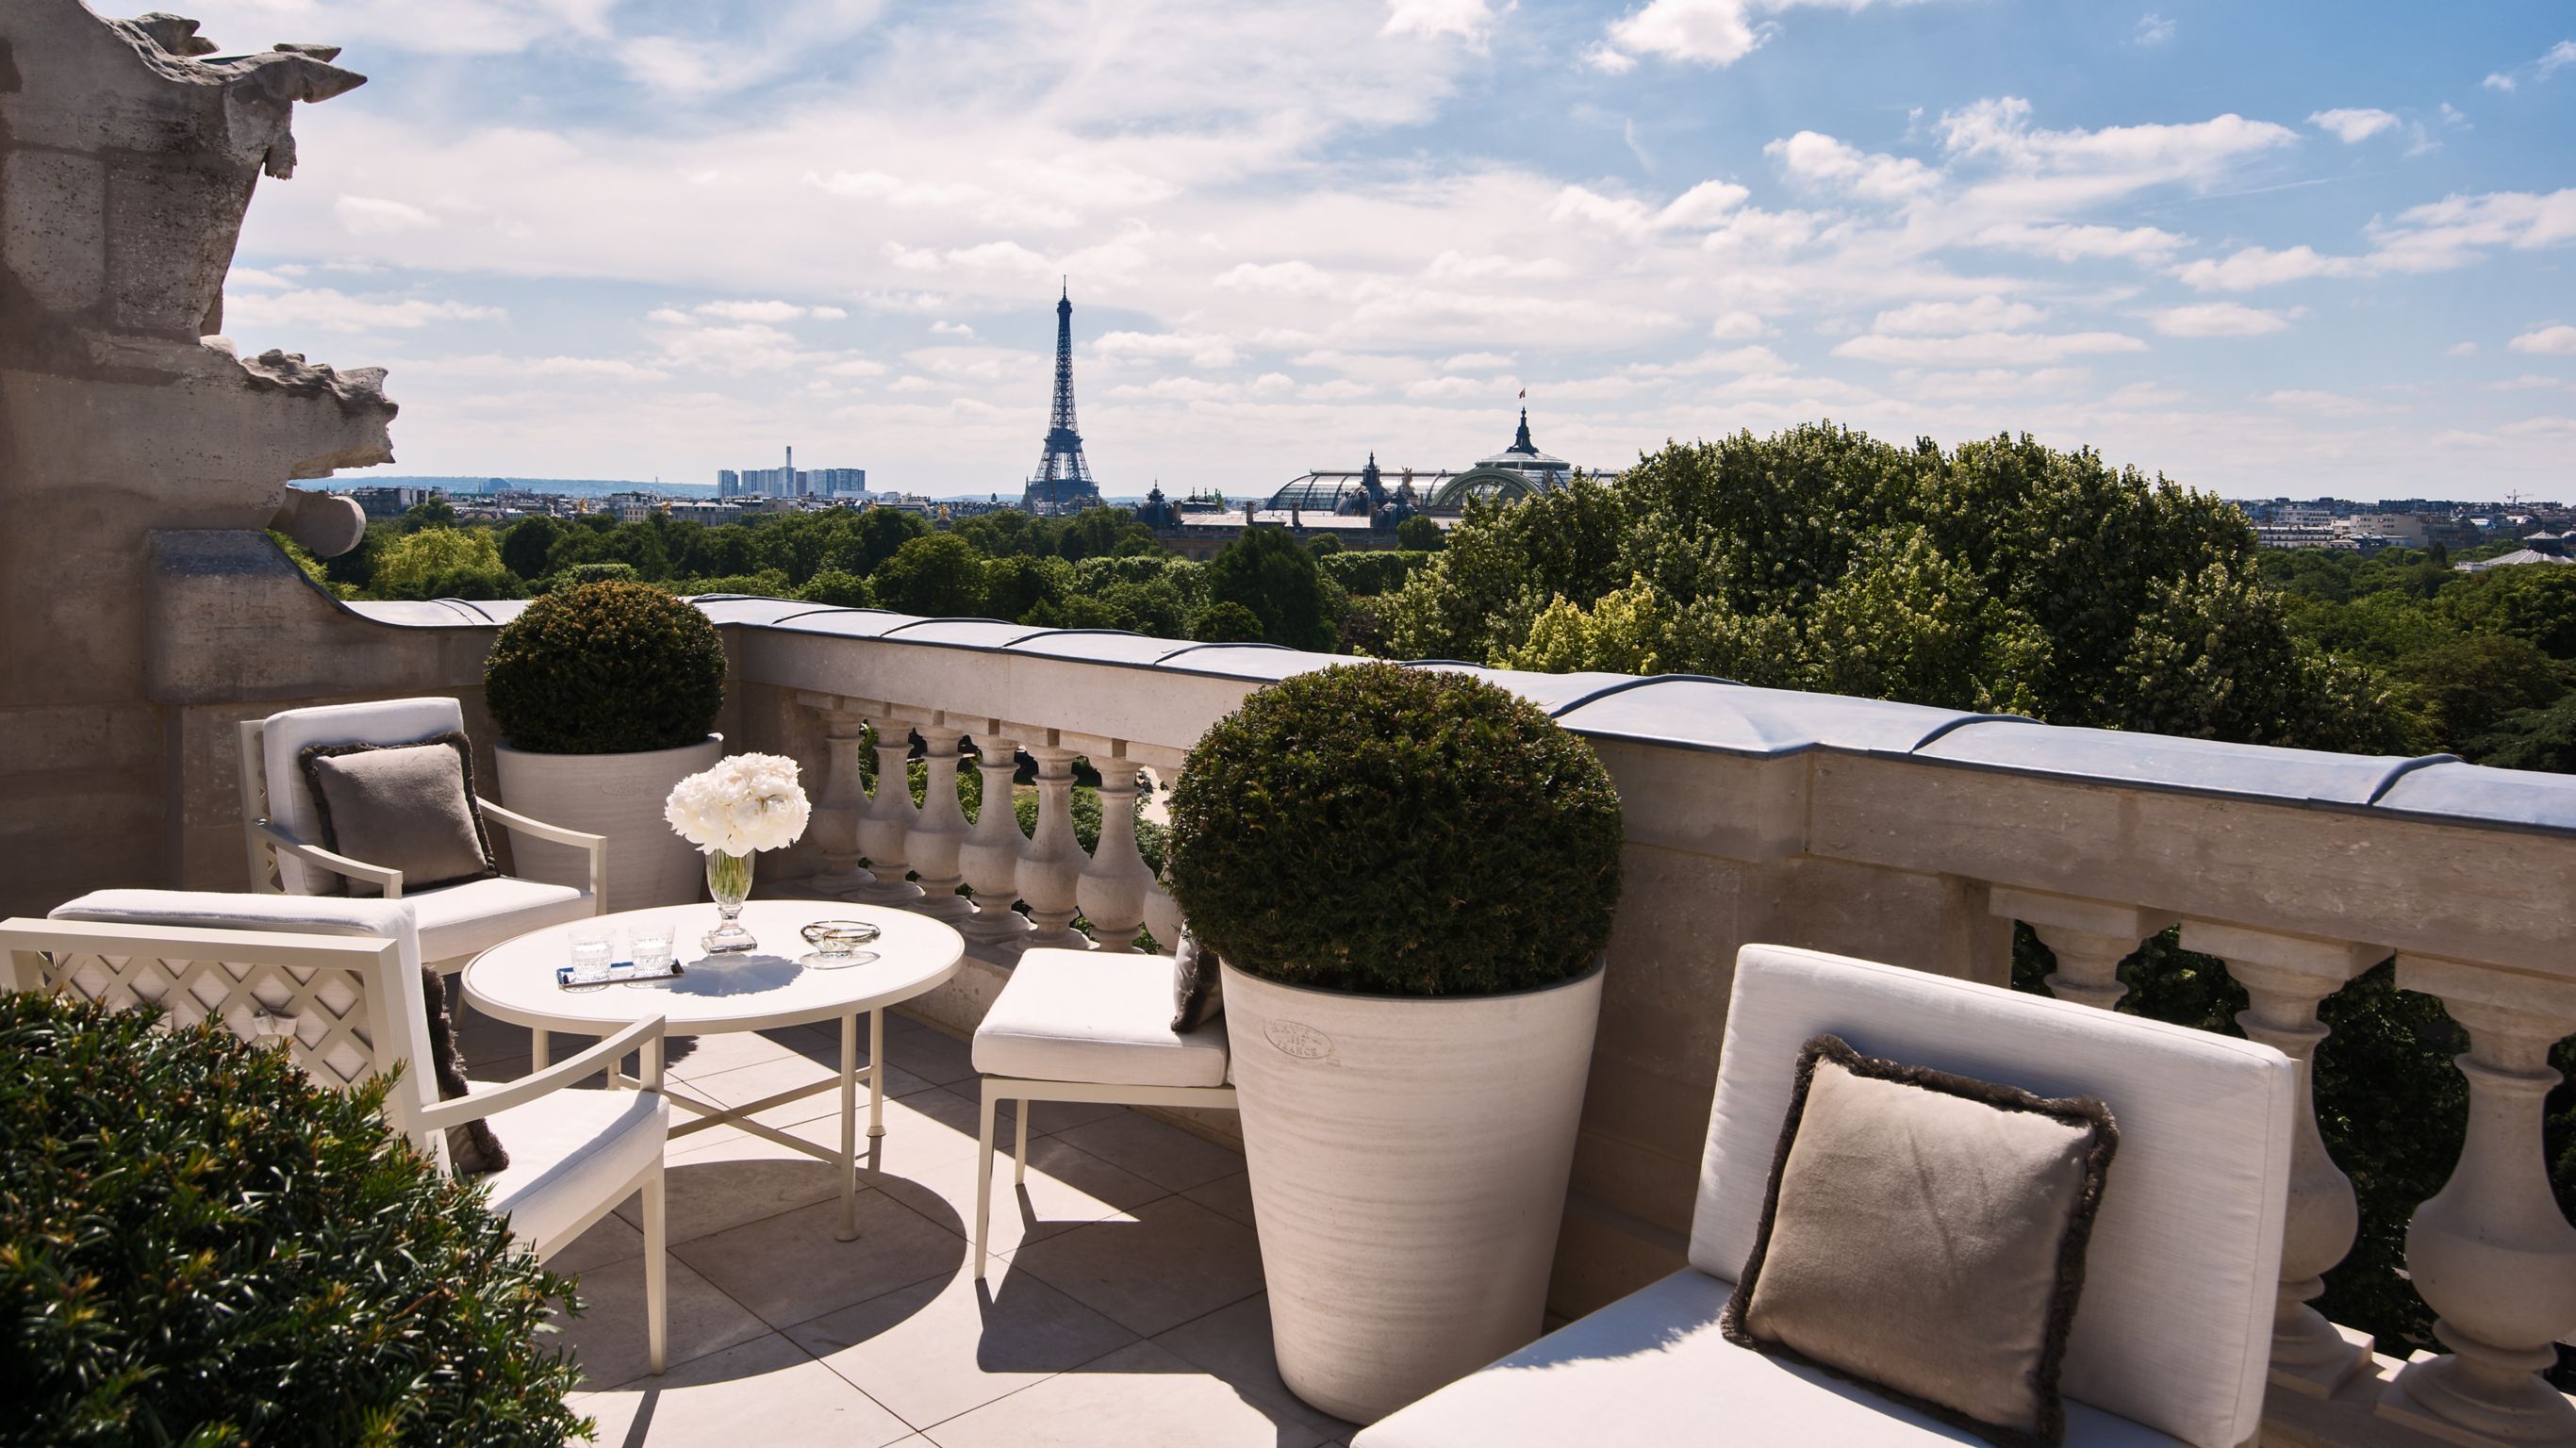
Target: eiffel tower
column 1062, row 482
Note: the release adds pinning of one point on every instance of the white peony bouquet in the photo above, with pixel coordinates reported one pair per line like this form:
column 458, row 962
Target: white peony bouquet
column 746, row 803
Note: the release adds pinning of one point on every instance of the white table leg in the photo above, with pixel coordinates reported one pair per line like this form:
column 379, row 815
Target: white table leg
column 849, row 1128
column 538, row 1058
column 876, row 1072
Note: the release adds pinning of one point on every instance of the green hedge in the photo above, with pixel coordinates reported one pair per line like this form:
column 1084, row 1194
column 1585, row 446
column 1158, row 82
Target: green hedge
column 200, row 1246
column 1396, row 831
column 605, row 668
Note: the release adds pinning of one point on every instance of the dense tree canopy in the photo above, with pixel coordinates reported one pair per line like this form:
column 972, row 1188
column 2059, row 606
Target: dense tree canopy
column 2001, row 575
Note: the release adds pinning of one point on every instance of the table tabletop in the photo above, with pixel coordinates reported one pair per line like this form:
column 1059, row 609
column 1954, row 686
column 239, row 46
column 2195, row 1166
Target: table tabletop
column 754, row 990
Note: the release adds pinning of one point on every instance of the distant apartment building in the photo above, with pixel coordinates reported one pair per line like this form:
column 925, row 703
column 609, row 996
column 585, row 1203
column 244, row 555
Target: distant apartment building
column 386, row 501
column 721, row 511
column 790, row 482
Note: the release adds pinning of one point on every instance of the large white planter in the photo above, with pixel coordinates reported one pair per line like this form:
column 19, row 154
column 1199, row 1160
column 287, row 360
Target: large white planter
column 1409, row 1160
column 620, row 797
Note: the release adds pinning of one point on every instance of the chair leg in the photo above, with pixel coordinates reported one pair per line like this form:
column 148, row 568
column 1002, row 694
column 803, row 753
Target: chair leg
column 1020, row 1151
column 983, row 1178
column 657, row 1284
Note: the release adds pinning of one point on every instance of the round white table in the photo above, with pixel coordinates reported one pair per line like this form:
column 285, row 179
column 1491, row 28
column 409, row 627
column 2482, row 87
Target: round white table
column 776, row 984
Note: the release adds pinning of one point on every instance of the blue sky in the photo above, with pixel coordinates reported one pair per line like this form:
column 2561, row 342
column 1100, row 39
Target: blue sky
column 2263, row 249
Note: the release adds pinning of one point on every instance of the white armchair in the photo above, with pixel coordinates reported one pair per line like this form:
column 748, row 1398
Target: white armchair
column 281, row 827
column 338, row 983
column 2173, row 1331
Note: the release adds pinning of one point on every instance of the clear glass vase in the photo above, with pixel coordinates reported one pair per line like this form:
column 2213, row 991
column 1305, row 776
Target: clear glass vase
column 729, row 881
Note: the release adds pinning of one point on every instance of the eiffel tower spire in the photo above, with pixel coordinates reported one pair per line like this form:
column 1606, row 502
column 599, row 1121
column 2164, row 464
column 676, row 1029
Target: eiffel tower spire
column 1062, row 481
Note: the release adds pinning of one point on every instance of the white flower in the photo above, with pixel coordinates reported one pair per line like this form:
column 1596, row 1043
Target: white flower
column 747, row 802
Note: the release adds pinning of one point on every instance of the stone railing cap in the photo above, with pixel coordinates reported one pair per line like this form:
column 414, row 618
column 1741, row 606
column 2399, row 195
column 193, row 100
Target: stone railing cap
column 2452, row 789
column 1741, row 719
column 2170, row 762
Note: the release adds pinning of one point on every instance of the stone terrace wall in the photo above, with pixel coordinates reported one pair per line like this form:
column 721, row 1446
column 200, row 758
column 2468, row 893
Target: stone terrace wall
column 125, row 166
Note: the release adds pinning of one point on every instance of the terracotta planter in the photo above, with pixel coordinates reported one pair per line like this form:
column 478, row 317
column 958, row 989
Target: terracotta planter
column 1409, row 1160
column 618, row 796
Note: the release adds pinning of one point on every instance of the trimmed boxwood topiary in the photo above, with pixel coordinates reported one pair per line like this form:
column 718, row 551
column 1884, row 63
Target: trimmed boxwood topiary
column 1392, row 831
column 200, row 1246
column 605, row 668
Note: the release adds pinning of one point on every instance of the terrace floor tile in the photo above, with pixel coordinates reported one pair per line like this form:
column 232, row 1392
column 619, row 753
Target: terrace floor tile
column 767, row 1390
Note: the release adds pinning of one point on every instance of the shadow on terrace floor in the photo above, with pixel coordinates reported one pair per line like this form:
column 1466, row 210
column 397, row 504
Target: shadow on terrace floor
column 1124, row 1305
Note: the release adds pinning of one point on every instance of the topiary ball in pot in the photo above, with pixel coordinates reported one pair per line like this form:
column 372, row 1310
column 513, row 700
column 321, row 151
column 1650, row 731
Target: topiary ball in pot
column 1396, row 831
column 199, row 1245
column 1409, row 875
column 605, row 668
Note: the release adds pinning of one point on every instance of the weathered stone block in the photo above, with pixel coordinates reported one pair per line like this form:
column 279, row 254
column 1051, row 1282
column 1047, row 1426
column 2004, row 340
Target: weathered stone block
column 53, row 226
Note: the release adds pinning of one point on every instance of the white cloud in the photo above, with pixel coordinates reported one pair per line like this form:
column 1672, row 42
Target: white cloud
column 1738, row 327
column 1435, row 388
column 1272, row 382
column 1702, row 32
column 951, row 329
column 2060, row 170
column 1477, row 362
column 381, row 216
column 1822, row 160
column 2151, row 29
column 2068, row 242
column 332, row 311
column 2322, row 404
column 2218, row 319
column 1706, row 204
column 2557, row 341
column 1950, row 319
column 2257, row 266
column 1281, row 278
column 497, row 366
column 770, row 312
column 2557, row 58
column 1469, row 20
column 1201, row 351
column 1456, row 266
column 2461, row 349
column 2351, row 126
column 1987, row 349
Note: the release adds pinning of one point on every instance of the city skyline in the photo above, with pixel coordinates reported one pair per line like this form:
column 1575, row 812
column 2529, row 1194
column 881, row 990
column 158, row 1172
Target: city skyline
column 2295, row 252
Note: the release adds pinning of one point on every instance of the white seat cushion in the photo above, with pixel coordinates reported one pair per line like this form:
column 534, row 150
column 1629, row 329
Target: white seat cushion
column 2175, row 1325
column 461, row 920
column 1652, row 1368
column 1082, row 1015
column 569, row 1150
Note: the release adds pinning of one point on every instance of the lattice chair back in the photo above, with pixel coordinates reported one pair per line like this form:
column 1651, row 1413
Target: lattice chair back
column 336, row 982
column 272, row 776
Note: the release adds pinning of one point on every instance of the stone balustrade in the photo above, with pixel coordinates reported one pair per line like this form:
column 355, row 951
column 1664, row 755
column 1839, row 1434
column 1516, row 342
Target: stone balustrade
column 1891, row 831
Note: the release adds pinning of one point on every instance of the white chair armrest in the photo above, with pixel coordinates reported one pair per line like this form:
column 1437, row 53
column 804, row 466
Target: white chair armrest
column 596, row 845
column 390, row 880
column 643, row 1035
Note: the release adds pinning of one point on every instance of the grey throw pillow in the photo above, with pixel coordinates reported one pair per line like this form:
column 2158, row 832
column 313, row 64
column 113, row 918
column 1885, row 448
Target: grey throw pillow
column 1924, row 1235
column 1198, row 995
column 408, row 807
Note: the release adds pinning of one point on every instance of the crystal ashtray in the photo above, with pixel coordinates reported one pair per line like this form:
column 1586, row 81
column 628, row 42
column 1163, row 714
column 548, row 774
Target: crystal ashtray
column 836, row 942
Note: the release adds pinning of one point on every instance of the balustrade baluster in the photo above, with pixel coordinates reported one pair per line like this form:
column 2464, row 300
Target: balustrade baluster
column 2089, row 938
column 939, row 830
column 835, row 823
column 1162, row 910
column 1051, row 867
column 1111, row 889
column 885, row 826
column 2491, row 1253
column 2286, row 976
column 990, row 857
